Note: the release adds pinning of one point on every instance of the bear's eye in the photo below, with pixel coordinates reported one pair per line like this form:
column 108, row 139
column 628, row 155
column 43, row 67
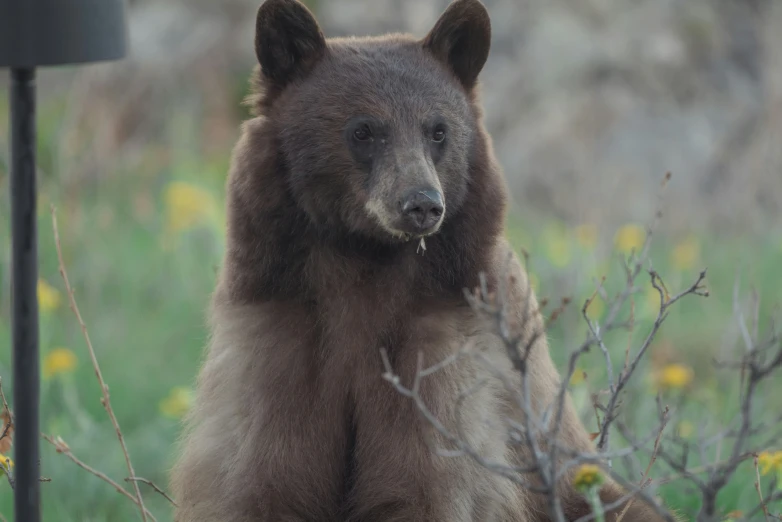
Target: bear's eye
column 438, row 135
column 362, row 133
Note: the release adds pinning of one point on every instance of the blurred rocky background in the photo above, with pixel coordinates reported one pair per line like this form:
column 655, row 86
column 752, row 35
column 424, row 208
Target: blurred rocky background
column 590, row 103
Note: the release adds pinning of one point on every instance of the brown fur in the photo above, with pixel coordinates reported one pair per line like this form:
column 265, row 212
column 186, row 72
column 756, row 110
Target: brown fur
column 293, row 420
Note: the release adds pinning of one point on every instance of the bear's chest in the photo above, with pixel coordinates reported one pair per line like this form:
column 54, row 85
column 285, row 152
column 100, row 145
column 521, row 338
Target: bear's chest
column 361, row 323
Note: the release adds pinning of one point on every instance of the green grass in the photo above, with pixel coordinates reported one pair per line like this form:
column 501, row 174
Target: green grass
column 145, row 307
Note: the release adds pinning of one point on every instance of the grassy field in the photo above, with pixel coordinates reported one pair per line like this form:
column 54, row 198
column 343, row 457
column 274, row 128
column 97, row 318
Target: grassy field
column 142, row 248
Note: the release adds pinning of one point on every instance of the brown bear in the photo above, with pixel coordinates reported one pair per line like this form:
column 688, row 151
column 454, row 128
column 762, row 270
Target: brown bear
column 363, row 199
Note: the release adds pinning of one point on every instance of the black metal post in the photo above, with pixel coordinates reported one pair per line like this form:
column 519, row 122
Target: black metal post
column 24, row 233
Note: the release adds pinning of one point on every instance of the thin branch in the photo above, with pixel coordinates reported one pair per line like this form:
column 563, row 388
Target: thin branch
column 153, row 486
column 8, row 475
column 8, row 426
column 652, row 460
column 104, row 389
column 770, row 499
column 757, row 488
column 665, row 302
column 61, row 447
column 6, row 411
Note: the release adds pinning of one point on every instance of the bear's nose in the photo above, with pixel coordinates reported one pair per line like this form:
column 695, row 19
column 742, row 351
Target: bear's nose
column 422, row 209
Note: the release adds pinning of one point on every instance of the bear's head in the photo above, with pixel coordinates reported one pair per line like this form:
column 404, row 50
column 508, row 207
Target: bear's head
column 375, row 135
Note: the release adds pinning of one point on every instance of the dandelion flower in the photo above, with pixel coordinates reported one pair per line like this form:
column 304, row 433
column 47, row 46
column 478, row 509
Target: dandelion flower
column 628, row 238
column 177, row 403
column 770, row 461
column 5, row 464
column 187, row 206
column 587, row 477
column 586, row 235
column 685, row 254
column 578, row 377
column 674, row 376
column 59, row 360
column 48, row 296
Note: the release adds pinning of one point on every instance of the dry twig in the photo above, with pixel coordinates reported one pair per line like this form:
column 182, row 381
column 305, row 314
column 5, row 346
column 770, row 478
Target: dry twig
column 763, row 505
column 61, row 447
column 645, row 479
column 8, row 422
column 153, row 486
column 104, row 389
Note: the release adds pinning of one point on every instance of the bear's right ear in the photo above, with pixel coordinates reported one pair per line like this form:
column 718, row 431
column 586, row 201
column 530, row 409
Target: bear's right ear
column 288, row 40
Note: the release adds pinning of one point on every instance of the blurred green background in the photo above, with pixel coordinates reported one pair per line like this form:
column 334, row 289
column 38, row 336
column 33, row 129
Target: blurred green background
column 134, row 157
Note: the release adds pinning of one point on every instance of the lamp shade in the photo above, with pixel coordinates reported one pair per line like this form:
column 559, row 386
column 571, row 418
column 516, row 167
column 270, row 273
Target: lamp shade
column 57, row 32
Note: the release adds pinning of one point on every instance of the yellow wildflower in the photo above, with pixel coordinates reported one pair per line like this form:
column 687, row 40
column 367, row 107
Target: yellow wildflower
column 587, row 477
column 578, row 377
column 586, row 235
column 674, row 376
column 686, row 254
column 628, row 238
column 187, row 206
column 177, row 403
column 59, row 360
column 48, row 296
column 5, row 463
column 770, row 461
column 557, row 246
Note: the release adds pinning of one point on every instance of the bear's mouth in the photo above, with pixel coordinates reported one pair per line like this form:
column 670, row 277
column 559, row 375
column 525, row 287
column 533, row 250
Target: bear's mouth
column 407, row 237
column 401, row 229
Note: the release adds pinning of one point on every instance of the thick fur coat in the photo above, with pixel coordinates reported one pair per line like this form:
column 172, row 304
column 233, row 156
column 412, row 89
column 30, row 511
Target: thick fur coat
column 324, row 268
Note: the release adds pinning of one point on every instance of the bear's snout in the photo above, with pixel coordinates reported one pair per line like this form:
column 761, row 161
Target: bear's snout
column 422, row 210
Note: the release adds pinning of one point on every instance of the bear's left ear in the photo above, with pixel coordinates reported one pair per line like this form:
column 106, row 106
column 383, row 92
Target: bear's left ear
column 288, row 40
column 461, row 39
